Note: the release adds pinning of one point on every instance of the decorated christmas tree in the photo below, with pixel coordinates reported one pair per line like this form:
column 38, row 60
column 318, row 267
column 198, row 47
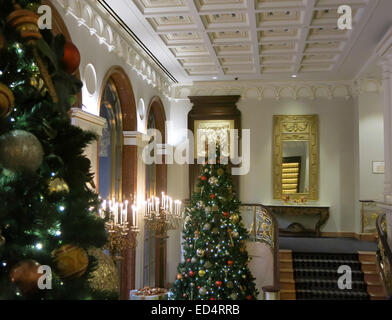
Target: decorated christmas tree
column 49, row 210
column 215, row 256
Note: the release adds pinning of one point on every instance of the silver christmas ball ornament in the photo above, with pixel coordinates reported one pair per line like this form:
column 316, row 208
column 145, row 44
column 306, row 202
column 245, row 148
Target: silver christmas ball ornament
column 20, row 151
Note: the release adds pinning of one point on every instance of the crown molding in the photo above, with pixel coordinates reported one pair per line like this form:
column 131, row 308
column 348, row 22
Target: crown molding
column 91, row 15
column 271, row 90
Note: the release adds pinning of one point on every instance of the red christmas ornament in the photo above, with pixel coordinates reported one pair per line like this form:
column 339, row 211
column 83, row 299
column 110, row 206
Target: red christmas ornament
column 249, row 298
column 203, row 178
column 179, row 276
column 191, row 273
column 212, row 196
column 230, row 263
column 219, row 283
column 226, row 214
column 212, row 299
column 198, row 287
column 71, row 58
column 188, row 260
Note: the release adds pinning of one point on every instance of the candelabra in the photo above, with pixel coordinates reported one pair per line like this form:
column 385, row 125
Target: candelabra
column 160, row 216
column 122, row 236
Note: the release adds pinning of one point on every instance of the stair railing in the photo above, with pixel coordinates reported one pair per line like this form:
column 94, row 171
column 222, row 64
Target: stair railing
column 384, row 254
column 265, row 229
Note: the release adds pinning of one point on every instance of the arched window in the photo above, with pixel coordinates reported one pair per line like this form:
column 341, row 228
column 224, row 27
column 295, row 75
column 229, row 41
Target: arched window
column 154, row 274
column 118, row 159
column 110, row 146
column 149, row 236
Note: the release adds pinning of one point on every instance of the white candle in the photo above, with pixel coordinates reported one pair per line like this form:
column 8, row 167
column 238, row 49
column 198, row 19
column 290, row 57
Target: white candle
column 121, row 213
column 126, row 211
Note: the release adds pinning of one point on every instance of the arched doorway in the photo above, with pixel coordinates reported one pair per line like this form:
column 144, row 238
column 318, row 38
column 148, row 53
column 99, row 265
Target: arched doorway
column 59, row 26
column 154, row 270
column 118, row 107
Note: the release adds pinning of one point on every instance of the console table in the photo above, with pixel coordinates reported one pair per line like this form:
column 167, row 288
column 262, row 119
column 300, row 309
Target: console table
column 304, row 210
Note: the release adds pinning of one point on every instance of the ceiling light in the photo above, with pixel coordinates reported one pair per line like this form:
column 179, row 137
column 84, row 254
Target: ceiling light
column 294, row 76
column 214, row 78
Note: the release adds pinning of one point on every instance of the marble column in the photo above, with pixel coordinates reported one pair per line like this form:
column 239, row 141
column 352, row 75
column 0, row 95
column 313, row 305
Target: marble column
column 92, row 123
column 384, row 52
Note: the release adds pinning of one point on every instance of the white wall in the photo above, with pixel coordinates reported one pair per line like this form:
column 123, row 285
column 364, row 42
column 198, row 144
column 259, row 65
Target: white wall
column 336, row 131
column 371, row 144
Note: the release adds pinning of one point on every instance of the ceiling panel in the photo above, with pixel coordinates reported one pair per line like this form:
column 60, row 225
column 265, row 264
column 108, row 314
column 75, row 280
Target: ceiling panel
column 252, row 39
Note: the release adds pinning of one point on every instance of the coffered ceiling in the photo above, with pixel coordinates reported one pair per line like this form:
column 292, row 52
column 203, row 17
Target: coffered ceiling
column 212, row 40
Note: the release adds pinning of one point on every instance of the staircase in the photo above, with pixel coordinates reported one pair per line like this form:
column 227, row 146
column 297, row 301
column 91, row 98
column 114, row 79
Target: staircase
column 314, row 276
column 287, row 283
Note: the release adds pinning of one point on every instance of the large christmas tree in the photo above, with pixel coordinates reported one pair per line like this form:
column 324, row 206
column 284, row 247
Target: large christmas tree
column 215, row 258
column 49, row 212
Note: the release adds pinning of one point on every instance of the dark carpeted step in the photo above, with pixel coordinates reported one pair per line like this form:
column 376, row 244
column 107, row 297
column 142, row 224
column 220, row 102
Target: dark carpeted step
column 326, row 264
column 325, row 256
column 331, row 295
column 315, row 284
column 324, row 274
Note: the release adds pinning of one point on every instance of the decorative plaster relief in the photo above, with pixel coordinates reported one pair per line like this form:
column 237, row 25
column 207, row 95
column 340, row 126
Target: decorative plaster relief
column 89, row 14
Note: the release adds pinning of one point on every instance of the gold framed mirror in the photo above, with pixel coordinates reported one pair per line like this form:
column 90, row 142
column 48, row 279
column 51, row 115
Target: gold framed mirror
column 296, row 157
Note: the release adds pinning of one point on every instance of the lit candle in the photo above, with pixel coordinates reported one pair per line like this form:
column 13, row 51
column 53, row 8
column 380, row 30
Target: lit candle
column 121, row 211
column 126, row 211
column 157, row 205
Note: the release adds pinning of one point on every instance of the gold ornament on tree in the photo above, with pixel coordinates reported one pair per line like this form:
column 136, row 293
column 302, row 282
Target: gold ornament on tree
column 58, row 185
column 7, row 101
column 71, row 261
column 26, row 22
column 105, row 277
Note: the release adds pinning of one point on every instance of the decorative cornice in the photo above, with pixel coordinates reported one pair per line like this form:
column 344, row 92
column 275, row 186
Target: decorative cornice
column 91, row 15
column 260, row 91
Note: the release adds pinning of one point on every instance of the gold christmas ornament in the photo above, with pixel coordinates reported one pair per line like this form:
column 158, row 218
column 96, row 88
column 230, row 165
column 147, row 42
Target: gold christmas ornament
column 202, row 273
column 235, row 218
column 58, row 185
column 105, row 277
column 200, row 253
column 20, row 151
column 7, row 101
column 71, row 261
column 26, row 22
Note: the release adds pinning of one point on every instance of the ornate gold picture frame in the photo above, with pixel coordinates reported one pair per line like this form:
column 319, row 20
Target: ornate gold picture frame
column 296, row 128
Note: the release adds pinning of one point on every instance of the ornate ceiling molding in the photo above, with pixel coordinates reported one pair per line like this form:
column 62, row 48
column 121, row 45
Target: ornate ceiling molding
column 91, row 15
column 280, row 90
column 260, row 91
